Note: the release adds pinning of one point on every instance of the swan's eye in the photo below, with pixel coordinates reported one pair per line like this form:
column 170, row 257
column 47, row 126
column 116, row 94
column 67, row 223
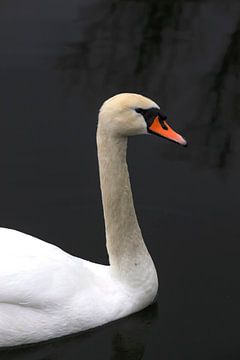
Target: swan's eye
column 141, row 111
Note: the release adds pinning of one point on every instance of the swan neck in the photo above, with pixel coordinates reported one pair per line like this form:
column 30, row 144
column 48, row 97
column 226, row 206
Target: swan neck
column 125, row 244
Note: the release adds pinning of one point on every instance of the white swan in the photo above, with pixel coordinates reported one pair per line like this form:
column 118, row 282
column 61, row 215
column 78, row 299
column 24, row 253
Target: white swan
column 47, row 293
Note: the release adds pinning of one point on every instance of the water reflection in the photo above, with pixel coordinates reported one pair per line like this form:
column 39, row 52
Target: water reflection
column 124, row 339
column 226, row 100
column 184, row 52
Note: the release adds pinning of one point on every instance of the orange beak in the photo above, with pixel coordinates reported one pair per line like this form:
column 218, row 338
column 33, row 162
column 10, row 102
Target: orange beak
column 164, row 130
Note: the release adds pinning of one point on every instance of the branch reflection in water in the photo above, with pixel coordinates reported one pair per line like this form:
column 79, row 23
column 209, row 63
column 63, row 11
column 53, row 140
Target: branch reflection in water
column 185, row 53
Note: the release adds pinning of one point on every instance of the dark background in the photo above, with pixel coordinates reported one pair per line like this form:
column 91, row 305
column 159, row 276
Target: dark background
column 59, row 60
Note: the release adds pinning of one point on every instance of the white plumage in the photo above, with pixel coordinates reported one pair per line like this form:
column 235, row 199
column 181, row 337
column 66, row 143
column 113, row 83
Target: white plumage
column 47, row 293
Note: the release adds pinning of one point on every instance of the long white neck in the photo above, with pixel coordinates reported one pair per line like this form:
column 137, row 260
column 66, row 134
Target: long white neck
column 128, row 255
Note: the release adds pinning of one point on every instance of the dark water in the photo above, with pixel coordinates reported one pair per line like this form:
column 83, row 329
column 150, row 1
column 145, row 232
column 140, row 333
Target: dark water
column 58, row 61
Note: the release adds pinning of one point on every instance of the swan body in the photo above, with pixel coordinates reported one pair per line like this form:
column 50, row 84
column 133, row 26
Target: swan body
column 46, row 292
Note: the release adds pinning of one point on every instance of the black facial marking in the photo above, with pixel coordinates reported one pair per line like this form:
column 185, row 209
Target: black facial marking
column 150, row 114
column 162, row 115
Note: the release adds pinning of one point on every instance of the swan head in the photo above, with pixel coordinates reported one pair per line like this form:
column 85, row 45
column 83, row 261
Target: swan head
column 129, row 114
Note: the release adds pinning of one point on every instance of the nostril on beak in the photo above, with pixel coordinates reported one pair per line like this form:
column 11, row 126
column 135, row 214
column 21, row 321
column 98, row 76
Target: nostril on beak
column 163, row 124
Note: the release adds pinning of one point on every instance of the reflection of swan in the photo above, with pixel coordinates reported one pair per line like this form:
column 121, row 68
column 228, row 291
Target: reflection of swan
column 47, row 293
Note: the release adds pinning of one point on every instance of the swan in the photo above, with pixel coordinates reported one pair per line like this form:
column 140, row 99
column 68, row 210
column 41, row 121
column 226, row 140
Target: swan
column 47, row 293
